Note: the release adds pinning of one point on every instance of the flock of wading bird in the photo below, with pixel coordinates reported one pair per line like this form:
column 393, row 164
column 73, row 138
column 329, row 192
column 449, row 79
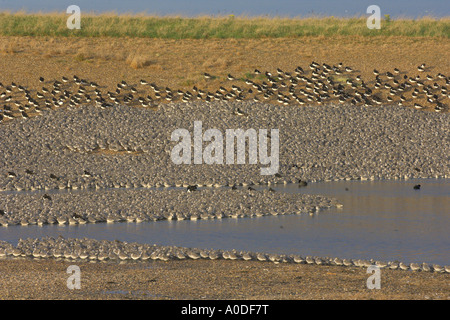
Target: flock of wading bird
column 323, row 83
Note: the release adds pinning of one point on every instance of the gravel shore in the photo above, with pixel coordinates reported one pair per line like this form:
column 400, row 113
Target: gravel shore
column 214, row 280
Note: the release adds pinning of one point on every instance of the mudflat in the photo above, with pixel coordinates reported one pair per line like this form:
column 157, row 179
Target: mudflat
column 218, row 279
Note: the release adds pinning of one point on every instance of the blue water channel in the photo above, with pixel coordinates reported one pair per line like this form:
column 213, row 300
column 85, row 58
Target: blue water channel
column 283, row 8
column 383, row 220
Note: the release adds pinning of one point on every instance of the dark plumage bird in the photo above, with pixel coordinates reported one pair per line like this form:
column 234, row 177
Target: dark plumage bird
column 53, row 176
column 8, row 115
column 299, row 70
column 282, row 86
column 47, row 197
column 191, row 188
column 439, row 108
column 416, row 187
column 302, row 183
column 86, row 173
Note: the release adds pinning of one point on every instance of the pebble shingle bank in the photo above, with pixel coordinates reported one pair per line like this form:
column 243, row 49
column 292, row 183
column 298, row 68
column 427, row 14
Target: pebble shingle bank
column 118, row 251
column 119, row 146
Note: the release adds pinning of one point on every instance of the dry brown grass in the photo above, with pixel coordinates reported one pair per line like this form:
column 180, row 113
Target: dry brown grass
column 217, row 62
column 179, row 64
column 9, row 46
column 137, row 61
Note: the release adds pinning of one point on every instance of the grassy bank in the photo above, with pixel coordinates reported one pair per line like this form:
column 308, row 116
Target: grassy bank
column 112, row 25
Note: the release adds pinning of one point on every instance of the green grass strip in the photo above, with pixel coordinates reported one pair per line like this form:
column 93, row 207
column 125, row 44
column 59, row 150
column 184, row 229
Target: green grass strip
column 112, row 25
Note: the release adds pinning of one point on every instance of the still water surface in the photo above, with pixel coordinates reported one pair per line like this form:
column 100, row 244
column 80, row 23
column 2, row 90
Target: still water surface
column 284, row 8
column 383, row 220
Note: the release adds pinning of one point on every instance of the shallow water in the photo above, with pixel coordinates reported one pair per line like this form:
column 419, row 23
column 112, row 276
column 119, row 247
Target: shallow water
column 383, row 220
column 289, row 8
